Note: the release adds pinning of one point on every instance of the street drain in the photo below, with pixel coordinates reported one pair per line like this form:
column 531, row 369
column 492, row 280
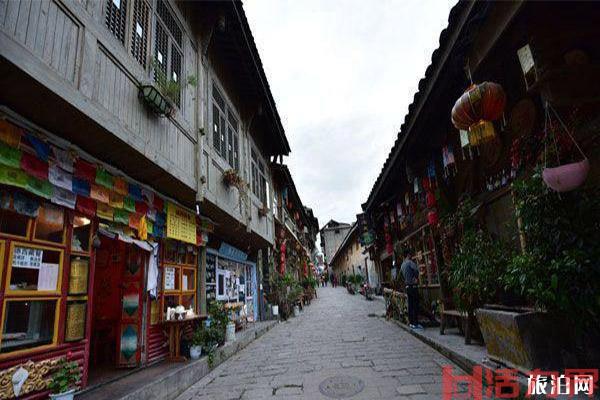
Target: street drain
column 341, row 386
column 371, row 315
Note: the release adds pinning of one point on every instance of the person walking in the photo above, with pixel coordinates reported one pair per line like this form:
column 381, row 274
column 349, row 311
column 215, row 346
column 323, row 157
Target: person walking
column 410, row 272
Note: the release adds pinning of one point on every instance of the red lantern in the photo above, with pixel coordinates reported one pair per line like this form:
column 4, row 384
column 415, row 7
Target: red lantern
column 432, row 218
column 485, row 101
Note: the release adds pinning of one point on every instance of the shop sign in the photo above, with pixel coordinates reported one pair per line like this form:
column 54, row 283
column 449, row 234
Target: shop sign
column 181, row 224
column 169, row 278
column 25, row 257
column 227, row 250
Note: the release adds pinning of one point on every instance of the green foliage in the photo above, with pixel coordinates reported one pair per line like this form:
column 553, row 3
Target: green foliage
column 66, row 377
column 560, row 269
column 285, row 292
column 476, row 269
column 219, row 320
column 310, row 282
column 167, row 86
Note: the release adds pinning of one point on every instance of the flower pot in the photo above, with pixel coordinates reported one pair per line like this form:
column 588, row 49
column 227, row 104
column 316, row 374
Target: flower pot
column 526, row 339
column 296, row 311
column 230, row 332
column 68, row 395
column 195, row 352
column 566, row 177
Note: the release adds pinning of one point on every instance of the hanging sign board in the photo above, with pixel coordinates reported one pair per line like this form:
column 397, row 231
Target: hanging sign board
column 181, row 224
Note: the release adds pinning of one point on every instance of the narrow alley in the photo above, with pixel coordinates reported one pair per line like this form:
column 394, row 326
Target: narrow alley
column 339, row 346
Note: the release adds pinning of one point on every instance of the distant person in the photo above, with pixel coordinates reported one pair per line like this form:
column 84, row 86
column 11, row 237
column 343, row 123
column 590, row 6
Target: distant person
column 410, row 272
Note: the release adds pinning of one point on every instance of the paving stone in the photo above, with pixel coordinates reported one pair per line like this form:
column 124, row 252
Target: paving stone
column 332, row 337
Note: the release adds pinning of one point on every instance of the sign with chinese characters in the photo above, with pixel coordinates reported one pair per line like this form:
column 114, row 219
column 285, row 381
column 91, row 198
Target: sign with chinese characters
column 169, row 278
column 504, row 383
column 181, row 224
column 227, row 250
column 25, row 257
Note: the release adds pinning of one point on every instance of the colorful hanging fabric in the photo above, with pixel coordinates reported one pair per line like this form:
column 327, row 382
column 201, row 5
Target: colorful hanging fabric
column 104, row 178
column 99, row 193
column 159, row 203
column 120, row 186
column 430, row 199
column 148, row 196
column 34, row 166
column 431, row 169
column 143, row 228
column 150, row 227
column 151, row 214
column 60, row 178
column 161, row 219
column 121, row 216
column 81, row 187
column 135, row 192
column 25, row 205
column 105, row 211
column 41, row 148
column 134, row 220
column 86, row 206
column 63, row 158
column 115, row 200
column 141, row 207
column 63, row 197
column 129, row 204
column 85, row 170
column 39, row 187
column 10, row 134
column 10, row 156
column 416, row 186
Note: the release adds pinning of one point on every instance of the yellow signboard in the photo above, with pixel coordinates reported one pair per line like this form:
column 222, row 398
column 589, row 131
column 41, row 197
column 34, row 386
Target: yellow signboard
column 181, row 224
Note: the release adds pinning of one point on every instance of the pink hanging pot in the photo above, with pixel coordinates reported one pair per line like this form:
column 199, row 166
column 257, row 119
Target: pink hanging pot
column 566, row 177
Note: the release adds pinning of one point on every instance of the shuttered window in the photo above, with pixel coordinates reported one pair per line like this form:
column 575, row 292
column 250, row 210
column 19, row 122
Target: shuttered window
column 168, row 46
column 129, row 22
column 225, row 130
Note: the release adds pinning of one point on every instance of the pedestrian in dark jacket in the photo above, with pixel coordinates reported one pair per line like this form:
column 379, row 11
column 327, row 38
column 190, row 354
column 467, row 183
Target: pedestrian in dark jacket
column 410, row 272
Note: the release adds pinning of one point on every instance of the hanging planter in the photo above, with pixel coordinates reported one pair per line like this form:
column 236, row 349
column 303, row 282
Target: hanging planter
column 566, row 177
column 155, row 100
column 476, row 108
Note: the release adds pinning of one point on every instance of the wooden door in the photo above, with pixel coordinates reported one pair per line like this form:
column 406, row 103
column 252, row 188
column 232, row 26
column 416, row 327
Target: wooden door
column 130, row 327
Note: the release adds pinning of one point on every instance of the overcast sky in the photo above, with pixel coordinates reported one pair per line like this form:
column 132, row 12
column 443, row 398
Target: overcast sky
column 343, row 73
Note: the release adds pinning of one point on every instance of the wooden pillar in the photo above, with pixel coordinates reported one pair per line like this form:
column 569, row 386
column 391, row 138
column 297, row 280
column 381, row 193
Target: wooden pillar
column 202, row 278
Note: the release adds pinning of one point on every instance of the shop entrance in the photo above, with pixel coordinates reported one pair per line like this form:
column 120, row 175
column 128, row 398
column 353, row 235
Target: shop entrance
column 116, row 339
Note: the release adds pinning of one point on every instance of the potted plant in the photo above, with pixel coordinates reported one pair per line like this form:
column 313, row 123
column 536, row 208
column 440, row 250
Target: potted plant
column 558, row 274
column 63, row 383
column 263, row 211
column 198, row 339
column 231, row 177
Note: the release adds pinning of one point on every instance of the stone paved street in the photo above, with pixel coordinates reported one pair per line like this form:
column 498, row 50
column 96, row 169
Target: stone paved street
column 338, row 335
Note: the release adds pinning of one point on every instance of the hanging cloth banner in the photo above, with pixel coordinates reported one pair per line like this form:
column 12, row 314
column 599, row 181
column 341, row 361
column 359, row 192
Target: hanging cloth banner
column 105, row 212
column 121, row 216
column 10, row 156
column 34, row 166
column 52, row 216
column 134, row 220
column 141, row 207
column 13, row 177
column 64, row 198
column 103, row 178
column 120, row 186
column 81, row 187
column 86, row 206
column 148, row 196
column 99, row 193
column 40, row 147
column 10, row 134
column 64, row 159
column 60, row 178
column 143, row 228
column 115, row 200
column 181, row 224
column 159, row 203
column 39, row 187
column 85, row 170
column 129, row 204
column 135, row 192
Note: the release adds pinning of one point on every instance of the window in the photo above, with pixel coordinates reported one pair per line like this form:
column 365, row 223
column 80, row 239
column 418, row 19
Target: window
column 259, row 177
column 13, row 224
column 225, row 130
column 50, row 224
column 129, row 21
column 34, row 269
column 27, row 324
column 179, row 275
column 168, row 46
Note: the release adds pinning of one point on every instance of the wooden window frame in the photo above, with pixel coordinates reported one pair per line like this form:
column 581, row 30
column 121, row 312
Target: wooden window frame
column 228, row 143
column 29, row 229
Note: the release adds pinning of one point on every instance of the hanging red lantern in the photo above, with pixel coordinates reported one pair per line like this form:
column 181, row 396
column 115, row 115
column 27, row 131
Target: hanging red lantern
column 432, row 218
column 485, row 101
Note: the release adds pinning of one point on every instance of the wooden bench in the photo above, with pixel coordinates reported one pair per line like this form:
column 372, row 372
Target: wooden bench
column 465, row 322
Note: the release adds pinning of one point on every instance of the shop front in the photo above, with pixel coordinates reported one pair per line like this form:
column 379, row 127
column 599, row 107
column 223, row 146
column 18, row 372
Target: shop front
column 231, row 278
column 90, row 262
